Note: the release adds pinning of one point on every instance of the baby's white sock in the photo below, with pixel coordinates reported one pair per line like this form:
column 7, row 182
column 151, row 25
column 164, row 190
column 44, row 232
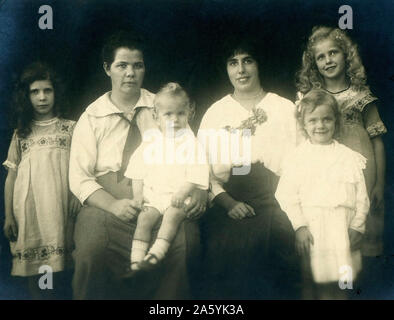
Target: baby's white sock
column 138, row 252
column 160, row 248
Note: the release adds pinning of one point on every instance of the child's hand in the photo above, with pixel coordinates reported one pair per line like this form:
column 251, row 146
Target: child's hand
column 124, row 209
column 137, row 203
column 355, row 238
column 178, row 200
column 74, row 206
column 197, row 205
column 304, row 239
column 377, row 196
column 10, row 228
column 241, row 210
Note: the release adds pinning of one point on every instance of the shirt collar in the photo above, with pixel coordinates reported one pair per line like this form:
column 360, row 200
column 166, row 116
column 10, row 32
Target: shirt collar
column 103, row 106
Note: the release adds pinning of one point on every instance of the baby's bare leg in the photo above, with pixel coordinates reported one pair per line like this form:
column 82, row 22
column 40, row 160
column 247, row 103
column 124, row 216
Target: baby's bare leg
column 147, row 219
column 172, row 218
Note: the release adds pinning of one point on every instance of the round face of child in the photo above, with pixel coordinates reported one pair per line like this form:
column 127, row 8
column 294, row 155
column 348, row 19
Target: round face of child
column 172, row 112
column 330, row 59
column 320, row 125
column 42, row 98
column 243, row 72
column 127, row 71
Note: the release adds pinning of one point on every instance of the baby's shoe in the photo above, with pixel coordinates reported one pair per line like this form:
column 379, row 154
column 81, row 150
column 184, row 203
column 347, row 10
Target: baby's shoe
column 150, row 262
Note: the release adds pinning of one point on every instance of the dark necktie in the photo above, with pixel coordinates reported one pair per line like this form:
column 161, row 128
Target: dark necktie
column 133, row 140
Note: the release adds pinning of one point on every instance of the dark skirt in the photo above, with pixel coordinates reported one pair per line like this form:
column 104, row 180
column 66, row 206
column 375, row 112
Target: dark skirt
column 252, row 258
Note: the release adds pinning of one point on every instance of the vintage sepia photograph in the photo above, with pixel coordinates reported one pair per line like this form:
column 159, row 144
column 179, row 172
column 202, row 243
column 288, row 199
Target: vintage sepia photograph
column 196, row 150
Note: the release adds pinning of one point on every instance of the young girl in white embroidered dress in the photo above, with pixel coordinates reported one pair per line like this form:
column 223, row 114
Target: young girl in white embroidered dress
column 322, row 190
column 38, row 205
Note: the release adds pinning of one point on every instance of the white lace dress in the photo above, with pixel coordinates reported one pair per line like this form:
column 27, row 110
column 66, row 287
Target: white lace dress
column 323, row 187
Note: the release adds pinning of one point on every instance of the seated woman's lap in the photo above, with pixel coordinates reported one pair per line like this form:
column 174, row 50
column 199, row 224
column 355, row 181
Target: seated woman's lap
column 102, row 254
column 235, row 254
column 242, row 257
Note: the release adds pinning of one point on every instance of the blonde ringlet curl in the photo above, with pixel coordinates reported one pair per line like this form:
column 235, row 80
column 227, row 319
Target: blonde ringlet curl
column 308, row 77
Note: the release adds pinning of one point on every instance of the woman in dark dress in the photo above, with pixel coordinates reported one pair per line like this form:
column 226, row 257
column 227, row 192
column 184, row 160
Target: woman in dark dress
column 248, row 241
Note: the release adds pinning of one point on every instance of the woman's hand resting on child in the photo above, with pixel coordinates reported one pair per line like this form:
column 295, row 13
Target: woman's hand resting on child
column 178, row 199
column 197, row 205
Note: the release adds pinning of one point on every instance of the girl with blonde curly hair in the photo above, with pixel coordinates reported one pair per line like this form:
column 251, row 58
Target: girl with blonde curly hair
column 310, row 77
column 331, row 61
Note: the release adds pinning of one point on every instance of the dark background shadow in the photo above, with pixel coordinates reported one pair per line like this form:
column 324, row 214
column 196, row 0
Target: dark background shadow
column 184, row 39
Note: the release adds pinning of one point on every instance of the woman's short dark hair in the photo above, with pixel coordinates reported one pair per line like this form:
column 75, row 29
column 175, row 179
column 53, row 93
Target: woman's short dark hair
column 120, row 39
column 241, row 44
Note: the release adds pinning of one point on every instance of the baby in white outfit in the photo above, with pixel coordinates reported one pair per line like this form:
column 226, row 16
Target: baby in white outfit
column 165, row 169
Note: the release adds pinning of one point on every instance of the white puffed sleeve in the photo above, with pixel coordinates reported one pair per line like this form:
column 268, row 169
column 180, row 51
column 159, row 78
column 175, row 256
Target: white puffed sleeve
column 219, row 172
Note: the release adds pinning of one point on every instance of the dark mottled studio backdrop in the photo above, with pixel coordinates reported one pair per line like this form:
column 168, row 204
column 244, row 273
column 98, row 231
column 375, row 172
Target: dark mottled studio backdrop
column 184, row 39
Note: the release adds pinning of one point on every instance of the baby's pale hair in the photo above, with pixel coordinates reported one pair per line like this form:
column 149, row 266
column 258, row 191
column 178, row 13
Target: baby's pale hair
column 174, row 90
column 314, row 99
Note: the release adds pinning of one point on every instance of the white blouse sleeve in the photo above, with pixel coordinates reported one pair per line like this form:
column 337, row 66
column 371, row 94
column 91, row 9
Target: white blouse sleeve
column 83, row 160
column 197, row 172
column 218, row 173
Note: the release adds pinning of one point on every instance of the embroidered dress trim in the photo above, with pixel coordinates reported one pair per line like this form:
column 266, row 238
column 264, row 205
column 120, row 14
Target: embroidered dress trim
column 376, row 129
column 58, row 141
column 10, row 165
column 39, row 253
column 359, row 104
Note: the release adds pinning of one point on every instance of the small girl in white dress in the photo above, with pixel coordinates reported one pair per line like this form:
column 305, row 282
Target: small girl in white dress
column 165, row 169
column 322, row 190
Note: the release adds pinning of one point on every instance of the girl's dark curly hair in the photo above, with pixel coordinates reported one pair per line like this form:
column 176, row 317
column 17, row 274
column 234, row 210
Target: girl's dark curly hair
column 308, row 77
column 23, row 113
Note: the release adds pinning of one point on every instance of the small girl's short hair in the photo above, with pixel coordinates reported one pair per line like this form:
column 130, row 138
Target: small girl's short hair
column 314, row 99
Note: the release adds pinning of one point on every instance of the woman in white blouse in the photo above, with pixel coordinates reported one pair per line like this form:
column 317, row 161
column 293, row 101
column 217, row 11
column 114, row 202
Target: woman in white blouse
column 106, row 134
column 248, row 241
